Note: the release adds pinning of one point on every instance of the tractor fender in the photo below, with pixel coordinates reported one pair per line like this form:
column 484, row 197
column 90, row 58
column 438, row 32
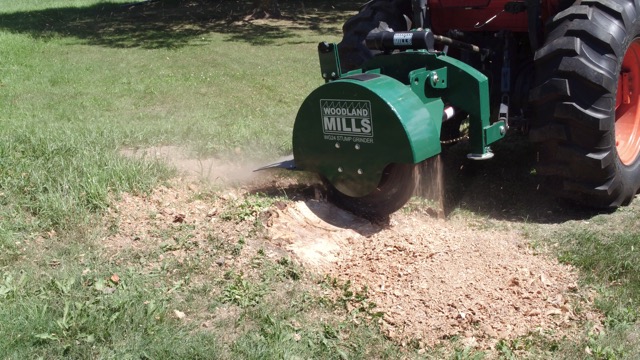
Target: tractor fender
column 350, row 129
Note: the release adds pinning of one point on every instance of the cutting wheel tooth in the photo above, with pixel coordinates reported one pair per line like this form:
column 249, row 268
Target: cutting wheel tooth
column 396, row 187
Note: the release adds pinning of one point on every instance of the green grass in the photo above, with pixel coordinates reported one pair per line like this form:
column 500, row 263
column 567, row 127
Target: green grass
column 74, row 316
column 214, row 90
column 81, row 80
column 609, row 258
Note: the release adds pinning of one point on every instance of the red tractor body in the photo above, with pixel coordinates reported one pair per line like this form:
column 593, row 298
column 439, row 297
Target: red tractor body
column 567, row 72
column 472, row 15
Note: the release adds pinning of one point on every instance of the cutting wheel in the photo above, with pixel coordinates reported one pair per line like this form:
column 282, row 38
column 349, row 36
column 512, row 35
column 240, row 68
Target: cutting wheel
column 396, row 187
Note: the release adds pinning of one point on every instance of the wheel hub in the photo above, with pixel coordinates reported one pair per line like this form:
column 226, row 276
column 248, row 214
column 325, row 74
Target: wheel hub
column 627, row 128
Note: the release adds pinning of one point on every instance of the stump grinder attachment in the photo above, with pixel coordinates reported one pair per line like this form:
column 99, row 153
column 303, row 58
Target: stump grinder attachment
column 365, row 131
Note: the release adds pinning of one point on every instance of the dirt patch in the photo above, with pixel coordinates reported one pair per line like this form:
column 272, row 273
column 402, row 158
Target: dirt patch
column 436, row 279
column 471, row 278
column 433, row 279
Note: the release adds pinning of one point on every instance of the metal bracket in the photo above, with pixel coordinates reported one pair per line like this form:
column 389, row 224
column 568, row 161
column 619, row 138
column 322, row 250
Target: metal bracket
column 285, row 163
column 486, row 156
column 329, row 61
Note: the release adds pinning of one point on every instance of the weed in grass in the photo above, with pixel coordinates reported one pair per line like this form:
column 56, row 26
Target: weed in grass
column 248, row 208
column 9, row 248
column 10, row 285
column 61, row 185
column 219, row 245
column 288, row 269
column 609, row 258
column 242, row 292
column 355, row 302
column 598, row 347
column 467, row 353
column 72, row 313
column 238, row 247
column 277, row 337
column 507, row 349
column 272, row 308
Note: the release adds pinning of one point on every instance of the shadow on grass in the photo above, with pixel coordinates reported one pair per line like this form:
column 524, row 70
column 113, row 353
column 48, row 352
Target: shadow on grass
column 505, row 187
column 174, row 24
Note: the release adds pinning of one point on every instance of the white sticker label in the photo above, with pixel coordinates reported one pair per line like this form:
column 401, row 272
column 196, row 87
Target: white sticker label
column 403, row 39
column 346, row 117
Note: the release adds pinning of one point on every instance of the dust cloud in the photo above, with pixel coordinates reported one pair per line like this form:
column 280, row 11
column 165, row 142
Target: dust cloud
column 214, row 170
column 430, row 185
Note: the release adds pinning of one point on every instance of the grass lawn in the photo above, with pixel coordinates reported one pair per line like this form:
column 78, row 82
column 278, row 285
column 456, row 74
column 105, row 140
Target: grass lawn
column 80, row 80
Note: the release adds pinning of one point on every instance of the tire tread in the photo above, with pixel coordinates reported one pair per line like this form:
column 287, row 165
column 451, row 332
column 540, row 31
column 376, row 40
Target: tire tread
column 574, row 100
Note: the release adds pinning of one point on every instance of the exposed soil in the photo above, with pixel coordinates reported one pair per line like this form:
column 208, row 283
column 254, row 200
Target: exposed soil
column 471, row 277
column 435, row 279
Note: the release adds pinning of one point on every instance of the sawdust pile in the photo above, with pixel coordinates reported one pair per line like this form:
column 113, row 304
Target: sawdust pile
column 435, row 279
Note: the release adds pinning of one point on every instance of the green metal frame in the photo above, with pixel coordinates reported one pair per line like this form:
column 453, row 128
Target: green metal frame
column 399, row 128
column 460, row 85
column 402, row 97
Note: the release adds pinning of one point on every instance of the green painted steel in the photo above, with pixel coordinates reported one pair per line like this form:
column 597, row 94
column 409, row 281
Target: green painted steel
column 465, row 88
column 329, row 61
column 390, row 111
column 349, row 130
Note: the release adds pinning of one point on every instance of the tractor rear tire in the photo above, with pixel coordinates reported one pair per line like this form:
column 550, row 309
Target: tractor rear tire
column 398, row 184
column 587, row 103
column 352, row 50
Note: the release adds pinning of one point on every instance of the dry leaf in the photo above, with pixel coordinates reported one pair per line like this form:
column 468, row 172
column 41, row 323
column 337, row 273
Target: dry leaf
column 470, row 342
column 597, row 329
column 115, row 279
column 213, row 212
